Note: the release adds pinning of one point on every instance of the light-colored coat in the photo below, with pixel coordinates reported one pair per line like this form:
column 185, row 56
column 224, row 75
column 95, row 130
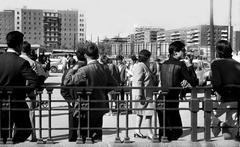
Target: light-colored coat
column 142, row 77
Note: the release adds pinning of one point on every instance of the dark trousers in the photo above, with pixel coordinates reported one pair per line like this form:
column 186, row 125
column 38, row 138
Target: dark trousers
column 20, row 119
column 95, row 121
column 172, row 119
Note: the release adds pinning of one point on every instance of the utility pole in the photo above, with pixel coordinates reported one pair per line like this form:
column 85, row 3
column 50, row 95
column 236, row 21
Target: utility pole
column 230, row 23
column 212, row 48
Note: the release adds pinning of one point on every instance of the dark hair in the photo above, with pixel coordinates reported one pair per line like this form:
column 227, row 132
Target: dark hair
column 33, row 55
column 134, row 58
column 119, row 57
column 80, row 54
column 92, row 50
column 144, row 55
column 104, row 59
column 26, row 47
column 14, row 39
column 224, row 49
column 176, row 46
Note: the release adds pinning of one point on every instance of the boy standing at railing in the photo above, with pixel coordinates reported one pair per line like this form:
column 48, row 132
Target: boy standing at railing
column 226, row 72
column 175, row 73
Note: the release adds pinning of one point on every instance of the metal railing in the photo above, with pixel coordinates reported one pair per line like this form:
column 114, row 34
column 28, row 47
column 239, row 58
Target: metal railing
column 84, row 107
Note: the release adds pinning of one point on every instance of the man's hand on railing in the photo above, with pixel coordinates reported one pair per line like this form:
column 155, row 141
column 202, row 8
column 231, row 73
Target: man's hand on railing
column 185, row 84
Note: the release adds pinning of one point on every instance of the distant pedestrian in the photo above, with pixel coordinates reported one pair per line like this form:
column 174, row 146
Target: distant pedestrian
column 15, row 71
column 71, row 61
column 64, row 62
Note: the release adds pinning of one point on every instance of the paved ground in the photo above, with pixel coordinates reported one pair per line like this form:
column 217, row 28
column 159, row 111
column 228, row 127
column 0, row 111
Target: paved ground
column 60, row 120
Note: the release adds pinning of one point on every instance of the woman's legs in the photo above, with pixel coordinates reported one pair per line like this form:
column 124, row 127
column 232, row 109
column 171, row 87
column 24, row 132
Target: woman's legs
column 149, row 124
column 138, row 123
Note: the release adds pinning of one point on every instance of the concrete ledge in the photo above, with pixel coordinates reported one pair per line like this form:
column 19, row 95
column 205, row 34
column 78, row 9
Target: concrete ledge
column 223, row 143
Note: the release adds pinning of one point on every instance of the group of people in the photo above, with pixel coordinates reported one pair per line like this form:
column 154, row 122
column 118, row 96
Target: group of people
column 174, row 72
column 18, row 68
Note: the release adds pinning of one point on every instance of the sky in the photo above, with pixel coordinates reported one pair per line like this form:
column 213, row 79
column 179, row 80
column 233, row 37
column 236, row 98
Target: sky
column 110, row 18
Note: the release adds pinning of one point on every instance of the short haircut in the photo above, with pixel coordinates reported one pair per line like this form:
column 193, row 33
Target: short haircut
column 104, row 59
column 224, row 49
column 26, row 47
column 176, row 46
column 14, row 39
column 144, row 55
column 119, row 57
column 92, row 50
column 80, row 54
column 134, row 58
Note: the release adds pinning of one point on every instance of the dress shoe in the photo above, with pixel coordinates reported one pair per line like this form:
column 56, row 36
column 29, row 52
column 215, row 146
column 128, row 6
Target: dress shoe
column 139, row 135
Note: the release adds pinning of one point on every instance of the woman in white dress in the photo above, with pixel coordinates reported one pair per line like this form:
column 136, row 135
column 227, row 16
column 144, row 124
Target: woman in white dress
column 142, row 77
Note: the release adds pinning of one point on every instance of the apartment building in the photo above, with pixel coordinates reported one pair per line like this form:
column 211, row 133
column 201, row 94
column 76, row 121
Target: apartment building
column 49, row 28
column 193, row 36
column 52, row 29
column 6, row 24
column 146, row 34
column 32, row 25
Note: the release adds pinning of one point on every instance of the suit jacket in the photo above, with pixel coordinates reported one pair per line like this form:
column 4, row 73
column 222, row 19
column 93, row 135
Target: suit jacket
column 93, row 74
column 15, row 71
column 226, row 72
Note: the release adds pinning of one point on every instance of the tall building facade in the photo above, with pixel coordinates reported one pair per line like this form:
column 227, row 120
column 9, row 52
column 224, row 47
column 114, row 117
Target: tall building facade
column 49, row 28
column 196, row 38
column 32, row 25
column 193, row 36
column 6, row 24
column 52, row 29
column 146, row 34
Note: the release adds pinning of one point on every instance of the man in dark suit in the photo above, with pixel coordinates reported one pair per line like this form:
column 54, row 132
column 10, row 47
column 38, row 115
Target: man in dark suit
column 97, row 75
column 15, row 71
column 225, row 79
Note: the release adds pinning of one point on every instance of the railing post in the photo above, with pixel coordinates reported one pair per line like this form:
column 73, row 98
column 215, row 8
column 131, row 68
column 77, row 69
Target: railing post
column 1, row 139
column 40, row 139
column 88, row 139
column 9, row 139
column 155, row 138
column 117, row 139
column 208, row 107
column 194, row 107
column 79, row 138
column 164, row 138
column 127, row 139
column 49, row 140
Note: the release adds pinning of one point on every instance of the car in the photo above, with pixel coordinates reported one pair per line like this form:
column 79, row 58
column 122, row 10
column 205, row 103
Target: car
column 55, row 67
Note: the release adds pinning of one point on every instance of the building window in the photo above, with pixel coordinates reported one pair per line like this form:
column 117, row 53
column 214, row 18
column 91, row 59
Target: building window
column 18, row 28
column 17, row 12
column 17, row 22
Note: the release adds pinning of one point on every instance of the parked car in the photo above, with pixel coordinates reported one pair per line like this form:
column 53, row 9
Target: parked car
column 55, row 59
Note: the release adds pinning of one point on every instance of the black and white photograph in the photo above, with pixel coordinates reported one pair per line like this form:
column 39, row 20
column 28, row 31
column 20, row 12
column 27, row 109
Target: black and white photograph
column 111, row 73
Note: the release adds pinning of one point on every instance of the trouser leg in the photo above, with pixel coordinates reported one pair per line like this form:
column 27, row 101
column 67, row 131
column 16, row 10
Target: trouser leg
column 22, row 121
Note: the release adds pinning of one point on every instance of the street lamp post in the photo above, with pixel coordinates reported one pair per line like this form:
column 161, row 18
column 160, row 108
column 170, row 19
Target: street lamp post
column 230, row 23
column 212, row 49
